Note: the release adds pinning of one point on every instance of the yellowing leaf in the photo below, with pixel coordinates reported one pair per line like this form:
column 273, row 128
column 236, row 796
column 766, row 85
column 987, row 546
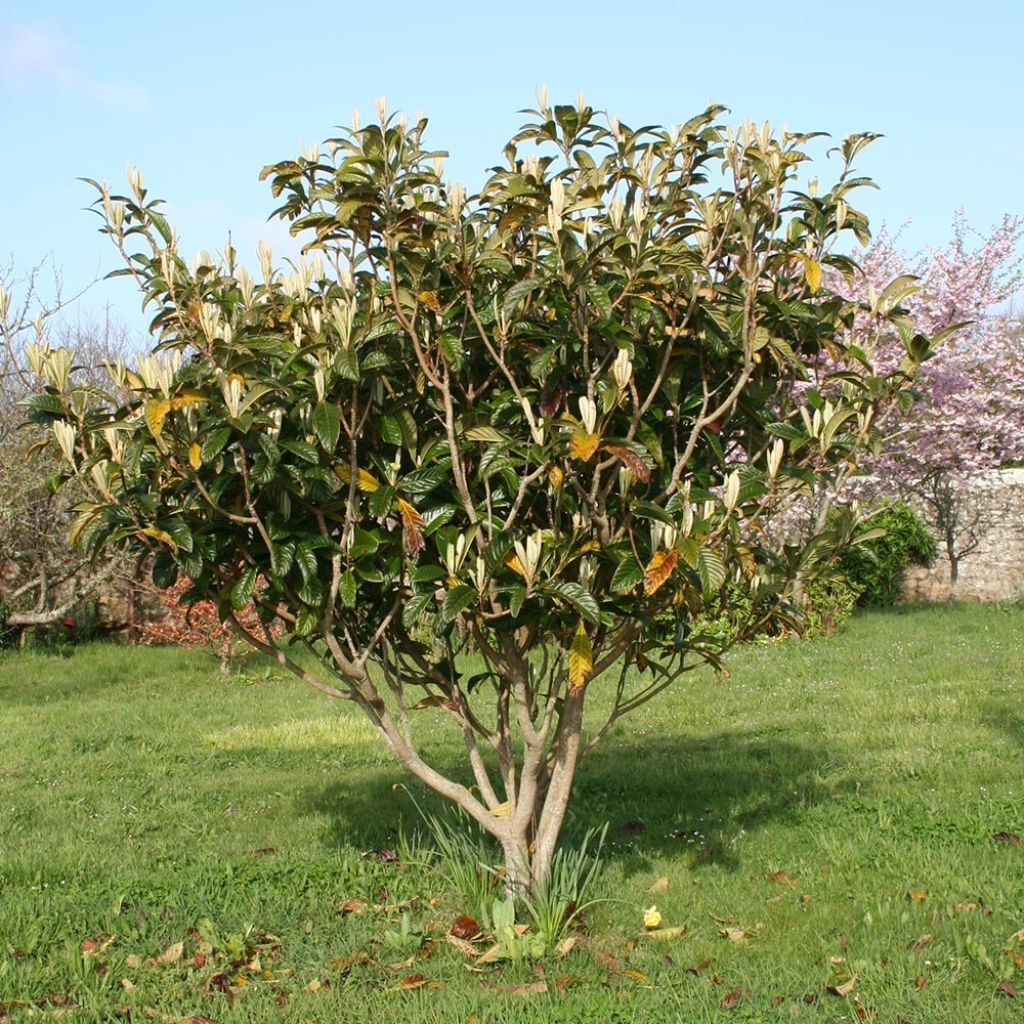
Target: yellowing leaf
column 195, row 456
column 502, row 810
column 582, row 445
column 581, row 658
column 812, row 273
column 172, row 954
column 155, row 411
column 666, row 934
column 429, row 299
column 512, row 562
column 365, row 481
column 412, row 528
column 658, row 570
column 161, row 535
column 555, row 477
column 917, row 895
column 189, row 397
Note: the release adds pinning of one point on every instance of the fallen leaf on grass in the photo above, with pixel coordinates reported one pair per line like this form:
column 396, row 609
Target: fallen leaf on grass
column 917, row 895
column 345, row 964
column 566, row 946
column 864, row 1012
column 314, row 986
column 779, row 878
column 526, row 988
column 1016, row 957
column 607, row 961
column 351, row 906
column 920, row 981
column 172, row 954
column 411, row 981
column 739, row 935
column 464, row 928
column 652, row 918
column 635, row 975
column 659, row 886
column 97, row 945
column 133, row 960
column 1007, row 837
column 842, row 983
column 1006, row 989
column 464, row 947
column 733, row 997
column 665, row 934
column 810, row 998
column 918, row 946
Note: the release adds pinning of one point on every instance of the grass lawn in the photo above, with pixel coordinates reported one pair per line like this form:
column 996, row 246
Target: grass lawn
column 843, row 807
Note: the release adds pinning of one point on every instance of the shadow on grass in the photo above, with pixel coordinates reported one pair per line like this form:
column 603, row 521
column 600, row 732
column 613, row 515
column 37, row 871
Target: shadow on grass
column 691, row 798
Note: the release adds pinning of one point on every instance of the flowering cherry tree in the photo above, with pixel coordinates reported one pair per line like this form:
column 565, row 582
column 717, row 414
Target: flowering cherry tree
column 970, row 416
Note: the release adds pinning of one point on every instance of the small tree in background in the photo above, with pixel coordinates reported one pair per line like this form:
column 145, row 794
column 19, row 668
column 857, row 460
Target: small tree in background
column 543, row 426
column 43, row 581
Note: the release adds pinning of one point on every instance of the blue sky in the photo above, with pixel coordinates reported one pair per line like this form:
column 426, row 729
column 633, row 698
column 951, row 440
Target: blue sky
column 200, row 96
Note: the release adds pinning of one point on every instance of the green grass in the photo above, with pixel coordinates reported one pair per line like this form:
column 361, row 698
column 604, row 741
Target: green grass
column 135, row 786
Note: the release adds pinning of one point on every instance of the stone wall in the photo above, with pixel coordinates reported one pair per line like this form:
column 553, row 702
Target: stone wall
column 994, row 571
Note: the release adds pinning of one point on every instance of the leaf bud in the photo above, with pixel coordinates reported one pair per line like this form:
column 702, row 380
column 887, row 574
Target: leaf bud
column 622, row 369
column 381, row 103
column 588, row 413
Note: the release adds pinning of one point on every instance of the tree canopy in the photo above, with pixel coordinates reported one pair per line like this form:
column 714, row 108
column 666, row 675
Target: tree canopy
column 483, row 453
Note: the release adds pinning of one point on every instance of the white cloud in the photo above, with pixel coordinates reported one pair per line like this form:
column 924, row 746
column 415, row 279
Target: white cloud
column 39, row 57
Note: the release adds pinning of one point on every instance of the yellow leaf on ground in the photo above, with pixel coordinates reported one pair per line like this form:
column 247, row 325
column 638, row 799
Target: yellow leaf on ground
column 665, row 934
column 652, row 918
column 172, row 954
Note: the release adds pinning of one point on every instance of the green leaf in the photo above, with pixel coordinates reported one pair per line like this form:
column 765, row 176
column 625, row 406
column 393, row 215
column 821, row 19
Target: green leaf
column 627, row 574
column 600, row 299
column 517, row 292
column 420, row 482
column 347, row 589
column 483, row 432
column 451, row 349
column 414, row 609
column 241, row 592
column 461, row 596
column 327, row 424
column 712, row 570
column 165, row 570
column 303, row 449
column 579, row 597
column 214, row 442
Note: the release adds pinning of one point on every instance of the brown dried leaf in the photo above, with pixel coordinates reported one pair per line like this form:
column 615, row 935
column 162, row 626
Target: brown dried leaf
column 345, row 964
column 659, row 886
column 779, row 878
column 917, row 895
column 920, row 981
column 133, row 960
column 566, row 946
column 735, row 934
column 526, row 988
column 733, row 997
column 172, row 954
column 464, row 928
column 1005, row 988
column 842, row 983
column 658, row 570
column 412, row 528
column 606, row 960
column 464, row 947
column 411, row 981
column 922, row 942
column 630, row 460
